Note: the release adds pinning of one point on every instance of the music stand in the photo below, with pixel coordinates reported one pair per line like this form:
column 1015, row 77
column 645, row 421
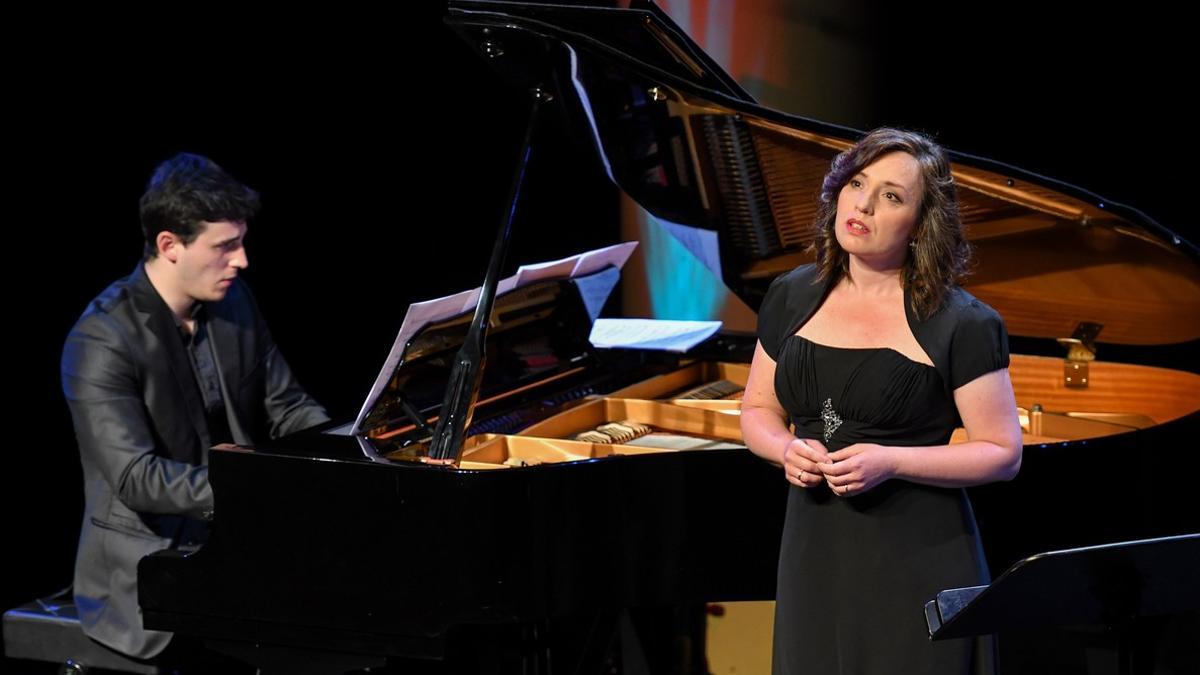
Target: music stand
column 1111, row 585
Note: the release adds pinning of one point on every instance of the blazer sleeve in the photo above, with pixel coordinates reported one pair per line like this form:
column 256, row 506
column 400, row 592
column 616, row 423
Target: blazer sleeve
column 790, row 300
column 100, row 383
column 772, row 316
column 979, row 344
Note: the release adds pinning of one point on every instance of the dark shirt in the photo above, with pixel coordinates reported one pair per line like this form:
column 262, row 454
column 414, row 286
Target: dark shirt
column 204, row 368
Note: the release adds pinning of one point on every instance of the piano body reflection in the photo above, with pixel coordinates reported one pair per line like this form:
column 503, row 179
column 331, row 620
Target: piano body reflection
column 351, row 543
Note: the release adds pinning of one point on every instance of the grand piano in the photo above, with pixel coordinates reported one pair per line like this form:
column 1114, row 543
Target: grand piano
column 487, row 491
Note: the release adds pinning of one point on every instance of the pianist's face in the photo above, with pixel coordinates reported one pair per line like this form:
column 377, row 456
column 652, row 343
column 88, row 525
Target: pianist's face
column 877, row 210
column 206, row 267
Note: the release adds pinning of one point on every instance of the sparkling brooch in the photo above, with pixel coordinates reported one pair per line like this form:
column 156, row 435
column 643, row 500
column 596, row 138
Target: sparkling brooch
column 830, row 418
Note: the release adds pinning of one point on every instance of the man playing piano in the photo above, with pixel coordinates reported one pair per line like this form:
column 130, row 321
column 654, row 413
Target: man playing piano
column 162, row 365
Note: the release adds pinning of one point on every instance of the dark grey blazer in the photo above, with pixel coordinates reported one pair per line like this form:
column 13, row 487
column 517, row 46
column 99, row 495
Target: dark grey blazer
column 143, row 437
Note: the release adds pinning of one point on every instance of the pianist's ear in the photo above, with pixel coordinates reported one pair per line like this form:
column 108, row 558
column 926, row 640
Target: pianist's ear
column 168, row 244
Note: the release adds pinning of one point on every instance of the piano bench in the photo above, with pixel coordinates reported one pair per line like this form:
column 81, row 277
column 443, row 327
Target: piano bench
column 48, row 630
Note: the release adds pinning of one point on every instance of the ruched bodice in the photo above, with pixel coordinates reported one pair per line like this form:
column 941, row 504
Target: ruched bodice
column 861, row 395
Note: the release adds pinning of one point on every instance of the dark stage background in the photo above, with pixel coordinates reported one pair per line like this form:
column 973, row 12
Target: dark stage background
column 382, row 149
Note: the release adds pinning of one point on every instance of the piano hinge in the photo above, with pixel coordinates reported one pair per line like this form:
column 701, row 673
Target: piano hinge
column 1081, row 350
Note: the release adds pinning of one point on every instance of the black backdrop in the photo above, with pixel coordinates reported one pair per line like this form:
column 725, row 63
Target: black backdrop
column 382, row 148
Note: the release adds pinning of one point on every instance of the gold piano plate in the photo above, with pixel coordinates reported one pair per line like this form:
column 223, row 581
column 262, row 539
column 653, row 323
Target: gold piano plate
column 549, row 441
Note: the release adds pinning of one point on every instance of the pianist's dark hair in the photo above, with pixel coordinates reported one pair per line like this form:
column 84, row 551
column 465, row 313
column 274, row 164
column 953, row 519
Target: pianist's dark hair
column 941, row 253
column 186, row 190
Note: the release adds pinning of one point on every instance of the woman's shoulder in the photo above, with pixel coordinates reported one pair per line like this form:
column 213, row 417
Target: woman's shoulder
column 960, row 314
column 790, row 298
column 794, row 290
column 965, row 338
column 961, row 306
column 804, row 278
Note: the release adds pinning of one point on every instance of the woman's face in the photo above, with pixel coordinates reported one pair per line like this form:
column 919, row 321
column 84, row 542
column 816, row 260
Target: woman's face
column 877, row 210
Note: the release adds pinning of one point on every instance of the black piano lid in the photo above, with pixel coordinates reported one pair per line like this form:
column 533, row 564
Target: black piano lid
column 692, row 148
column 642, row 33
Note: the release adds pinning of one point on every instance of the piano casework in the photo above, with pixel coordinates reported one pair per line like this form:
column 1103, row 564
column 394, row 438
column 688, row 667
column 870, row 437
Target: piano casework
column 511, row 478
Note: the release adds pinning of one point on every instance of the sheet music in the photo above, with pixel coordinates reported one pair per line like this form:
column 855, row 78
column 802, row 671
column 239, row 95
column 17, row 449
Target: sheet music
column 421, row 314
column 594, row 261
column 671, row 336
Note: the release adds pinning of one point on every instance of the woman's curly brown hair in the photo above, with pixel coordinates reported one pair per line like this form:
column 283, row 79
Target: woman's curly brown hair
column 940, row 253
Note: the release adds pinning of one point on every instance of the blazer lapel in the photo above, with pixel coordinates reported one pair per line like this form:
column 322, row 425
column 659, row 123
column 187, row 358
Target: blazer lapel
column 230, row 369
column 156, row 316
